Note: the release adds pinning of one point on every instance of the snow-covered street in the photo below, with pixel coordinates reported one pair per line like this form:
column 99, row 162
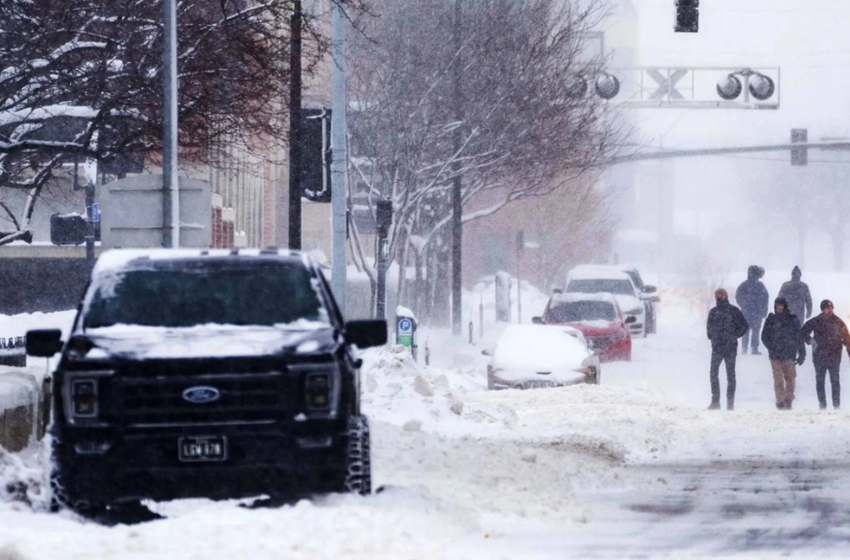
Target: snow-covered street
column 635, row 467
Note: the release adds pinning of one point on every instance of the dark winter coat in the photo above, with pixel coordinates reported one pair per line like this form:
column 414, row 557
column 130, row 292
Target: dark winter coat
column 830, row 334
column 752, row 297
column 799, row 298
column 782, row 337
column 726, row 324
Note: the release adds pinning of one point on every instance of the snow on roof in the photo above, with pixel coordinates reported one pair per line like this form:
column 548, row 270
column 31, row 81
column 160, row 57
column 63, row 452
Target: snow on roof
column 597, row 273
column 575, row 296
column 619, row 267
column 116, row 259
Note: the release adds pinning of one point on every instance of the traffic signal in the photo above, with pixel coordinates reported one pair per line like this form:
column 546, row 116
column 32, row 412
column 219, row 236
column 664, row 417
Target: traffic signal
column 687, row 16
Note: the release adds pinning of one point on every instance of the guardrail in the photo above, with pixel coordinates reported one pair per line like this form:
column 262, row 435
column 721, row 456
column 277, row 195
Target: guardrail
column 12, row 351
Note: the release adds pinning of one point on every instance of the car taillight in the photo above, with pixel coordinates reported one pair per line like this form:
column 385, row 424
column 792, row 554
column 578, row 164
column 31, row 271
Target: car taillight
column 84, row 398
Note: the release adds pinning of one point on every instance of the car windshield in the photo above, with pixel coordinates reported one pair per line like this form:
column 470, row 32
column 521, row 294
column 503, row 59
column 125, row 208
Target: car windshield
column 264, row 295
column 578, row 311
column 602, row 285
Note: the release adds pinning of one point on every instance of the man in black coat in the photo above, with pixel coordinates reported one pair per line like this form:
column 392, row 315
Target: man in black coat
column 753, row 299
column 797, row 294
column 726, row 324
column 784, row 342
column 830, row 334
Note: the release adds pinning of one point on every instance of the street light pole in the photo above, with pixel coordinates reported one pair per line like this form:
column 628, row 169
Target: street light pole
column 339, row 132
column 457, row 183
column 295, row 127
column 170, row 184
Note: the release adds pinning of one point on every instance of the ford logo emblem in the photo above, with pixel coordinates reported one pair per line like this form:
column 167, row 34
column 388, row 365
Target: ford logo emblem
column 201, row 395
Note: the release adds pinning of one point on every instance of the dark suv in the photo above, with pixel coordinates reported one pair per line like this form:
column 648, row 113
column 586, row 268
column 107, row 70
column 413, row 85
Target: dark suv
column 217, row 374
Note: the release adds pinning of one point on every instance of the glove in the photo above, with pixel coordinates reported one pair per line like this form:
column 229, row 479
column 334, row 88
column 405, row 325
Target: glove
column 800, row 360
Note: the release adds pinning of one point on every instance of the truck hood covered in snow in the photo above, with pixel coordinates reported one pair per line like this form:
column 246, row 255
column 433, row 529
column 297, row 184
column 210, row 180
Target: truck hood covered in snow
column 208, row 341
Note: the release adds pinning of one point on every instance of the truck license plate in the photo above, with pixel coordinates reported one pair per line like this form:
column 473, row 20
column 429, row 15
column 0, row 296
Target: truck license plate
column 202, row 448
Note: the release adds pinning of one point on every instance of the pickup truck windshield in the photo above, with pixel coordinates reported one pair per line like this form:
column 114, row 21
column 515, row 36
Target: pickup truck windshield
column 264, row 295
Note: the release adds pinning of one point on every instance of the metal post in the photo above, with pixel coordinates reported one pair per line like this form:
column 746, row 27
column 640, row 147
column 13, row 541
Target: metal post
column 520, row 242
column 457, row 185
column 339, row 132
column 89, row 225
column 481, row 317
column 383, row 257
column 170, row 185
column 295, row 128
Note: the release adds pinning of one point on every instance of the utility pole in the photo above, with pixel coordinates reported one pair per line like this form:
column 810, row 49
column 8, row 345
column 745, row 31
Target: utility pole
column 339, row 132
column 384, row 220
column 457, row 183
column 170, row 182
column 295, row 127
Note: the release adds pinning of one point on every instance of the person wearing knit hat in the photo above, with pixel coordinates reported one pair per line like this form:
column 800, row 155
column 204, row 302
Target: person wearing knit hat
column 726, row 324
column 784, row 342
column 830, row 335
column 797, row 294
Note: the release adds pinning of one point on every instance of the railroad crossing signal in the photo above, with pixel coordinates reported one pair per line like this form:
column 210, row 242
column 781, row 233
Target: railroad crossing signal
column 799, row 156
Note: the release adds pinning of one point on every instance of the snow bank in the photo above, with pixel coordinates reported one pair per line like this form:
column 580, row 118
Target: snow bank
column 23, row 483
column 398, row 391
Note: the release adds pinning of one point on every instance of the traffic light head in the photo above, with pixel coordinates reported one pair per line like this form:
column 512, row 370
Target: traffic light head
column 687, row 16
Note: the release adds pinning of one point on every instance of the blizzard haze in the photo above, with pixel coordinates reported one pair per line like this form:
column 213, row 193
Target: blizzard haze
column 747, row 208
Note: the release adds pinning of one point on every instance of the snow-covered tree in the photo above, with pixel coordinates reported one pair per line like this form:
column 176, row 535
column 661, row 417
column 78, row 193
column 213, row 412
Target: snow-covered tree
column 83, row 78
column 486, row 93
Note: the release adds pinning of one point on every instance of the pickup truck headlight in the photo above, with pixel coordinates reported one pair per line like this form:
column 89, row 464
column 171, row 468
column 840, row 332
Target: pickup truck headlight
column 321, row 385
column 81, row 396
column 84, row 398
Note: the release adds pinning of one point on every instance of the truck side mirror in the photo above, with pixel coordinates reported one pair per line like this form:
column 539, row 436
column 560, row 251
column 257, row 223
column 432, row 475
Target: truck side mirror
column 43, row 343
column 367, row 333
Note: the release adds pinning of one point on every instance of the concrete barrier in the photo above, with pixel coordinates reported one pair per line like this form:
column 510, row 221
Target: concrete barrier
column 23, row 408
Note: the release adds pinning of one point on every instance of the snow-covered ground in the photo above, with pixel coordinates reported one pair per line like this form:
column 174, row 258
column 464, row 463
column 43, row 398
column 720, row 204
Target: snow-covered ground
column 635, row 467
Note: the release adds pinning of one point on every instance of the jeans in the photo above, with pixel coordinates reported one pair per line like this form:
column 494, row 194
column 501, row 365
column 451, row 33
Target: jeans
column 834, row 380
column 752, row 335
column 727, row 355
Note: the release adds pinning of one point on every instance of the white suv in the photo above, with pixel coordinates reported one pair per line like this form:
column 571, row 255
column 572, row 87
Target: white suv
column 634, row 298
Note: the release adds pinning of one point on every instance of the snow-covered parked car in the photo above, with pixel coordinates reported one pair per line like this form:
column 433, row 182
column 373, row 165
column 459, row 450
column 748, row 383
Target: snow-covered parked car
column 599, row 319
column 216, row 374
column 598, row 279
column 535, row 356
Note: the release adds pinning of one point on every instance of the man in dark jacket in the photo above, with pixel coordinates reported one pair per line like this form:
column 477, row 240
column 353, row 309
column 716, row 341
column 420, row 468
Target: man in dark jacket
column 753, row 299
column 726, row 324
column 784, row 342
column 830, row 334
column 798, row 296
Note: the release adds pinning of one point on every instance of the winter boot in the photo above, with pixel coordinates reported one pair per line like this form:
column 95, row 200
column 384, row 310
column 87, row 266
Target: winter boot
column 730, row 405
column 756, row 352
column 744, row 350
column 781, row 405
column 715, row 405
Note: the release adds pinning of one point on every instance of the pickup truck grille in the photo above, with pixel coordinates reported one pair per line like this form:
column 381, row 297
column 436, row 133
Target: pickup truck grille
column 242, row 398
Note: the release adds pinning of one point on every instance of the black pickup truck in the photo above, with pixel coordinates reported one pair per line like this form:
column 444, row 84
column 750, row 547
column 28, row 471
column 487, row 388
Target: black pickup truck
column 217, row 374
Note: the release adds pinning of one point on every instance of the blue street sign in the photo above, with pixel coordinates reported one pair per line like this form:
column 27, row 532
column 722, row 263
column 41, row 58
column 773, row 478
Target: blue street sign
column 95, row 212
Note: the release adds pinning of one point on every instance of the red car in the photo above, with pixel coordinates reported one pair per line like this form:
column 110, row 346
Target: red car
column 599, row 319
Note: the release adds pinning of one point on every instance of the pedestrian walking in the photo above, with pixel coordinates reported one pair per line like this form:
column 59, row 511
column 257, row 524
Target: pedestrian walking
column 726, row 324
column 797, row 294
column 753, row 299
column 830, row 335
column 783, row 338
